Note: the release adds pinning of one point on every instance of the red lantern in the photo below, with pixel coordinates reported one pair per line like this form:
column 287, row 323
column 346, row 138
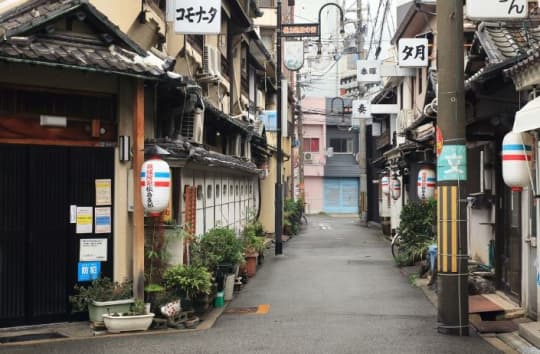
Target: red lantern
column 155, row 185
column 426, row 183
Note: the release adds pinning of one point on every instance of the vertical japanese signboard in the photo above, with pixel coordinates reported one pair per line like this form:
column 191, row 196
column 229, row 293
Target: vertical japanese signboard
column 294, row 55
column 496, row 9
column 413, row 52
column 361, row 109
column 197, row 16
column 368, row 70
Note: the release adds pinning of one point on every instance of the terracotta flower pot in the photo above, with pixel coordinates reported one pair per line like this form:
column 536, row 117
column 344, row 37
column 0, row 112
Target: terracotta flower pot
column 251, row 262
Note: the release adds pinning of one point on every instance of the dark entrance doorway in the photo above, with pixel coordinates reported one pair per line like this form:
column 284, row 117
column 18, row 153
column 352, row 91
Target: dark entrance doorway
column 511, row 245
column 39, row 248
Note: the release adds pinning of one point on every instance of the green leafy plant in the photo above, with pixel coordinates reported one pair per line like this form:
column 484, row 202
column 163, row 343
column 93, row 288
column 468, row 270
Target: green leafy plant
column 158, row 237
column 103, row 289
column 252, row 237
column 218, row 246
column 292, row 211
column 417, row 230
column 188, row 280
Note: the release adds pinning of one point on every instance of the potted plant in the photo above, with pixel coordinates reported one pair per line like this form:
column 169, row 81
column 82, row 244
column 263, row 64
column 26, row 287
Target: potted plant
column 136, row 319
column 102, row 296
column 219, row 246
column 253, row 245
column 193, row 282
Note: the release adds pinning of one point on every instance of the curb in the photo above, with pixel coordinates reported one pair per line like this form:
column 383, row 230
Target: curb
column 208, row 320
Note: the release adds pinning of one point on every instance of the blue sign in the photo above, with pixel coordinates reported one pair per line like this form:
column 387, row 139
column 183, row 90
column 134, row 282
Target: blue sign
column 88, row 271
column 269, row 118
column 452, row 163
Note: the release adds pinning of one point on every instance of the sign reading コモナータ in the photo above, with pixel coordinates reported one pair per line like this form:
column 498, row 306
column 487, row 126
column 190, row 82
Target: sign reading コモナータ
column 197, row 16
column 496, row 9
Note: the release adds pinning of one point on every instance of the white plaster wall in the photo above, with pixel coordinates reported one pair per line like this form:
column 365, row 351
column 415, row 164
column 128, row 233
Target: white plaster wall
column 480, row 234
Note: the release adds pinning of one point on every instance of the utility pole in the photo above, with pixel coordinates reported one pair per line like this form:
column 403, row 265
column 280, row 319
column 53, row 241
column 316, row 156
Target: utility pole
column 300, row 129
column 279, row 186
column 453, row 305
column 362, row 130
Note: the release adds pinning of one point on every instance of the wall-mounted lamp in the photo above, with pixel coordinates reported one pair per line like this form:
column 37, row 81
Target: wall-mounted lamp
column 52, row 121
column 124, row 143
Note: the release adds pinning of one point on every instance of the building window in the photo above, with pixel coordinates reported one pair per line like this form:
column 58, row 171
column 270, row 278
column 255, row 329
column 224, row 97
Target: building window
column 236, row 190
column 199, row 192
column 217, row 191
column 209, row 191
column 311, row 144
column 224, row 189
column 342, row 145
column 231, row 190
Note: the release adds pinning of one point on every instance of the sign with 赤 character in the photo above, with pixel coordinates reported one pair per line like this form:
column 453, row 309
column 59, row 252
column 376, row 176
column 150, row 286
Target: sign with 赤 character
column 300, row 30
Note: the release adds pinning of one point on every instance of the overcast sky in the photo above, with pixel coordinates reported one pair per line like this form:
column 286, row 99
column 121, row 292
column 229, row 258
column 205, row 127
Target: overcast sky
column 308, row 10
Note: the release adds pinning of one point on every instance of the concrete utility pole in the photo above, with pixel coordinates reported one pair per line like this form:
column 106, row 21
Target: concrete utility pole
column 300, row 129
column 278, row 223
column 453, row 307
column 362, row 130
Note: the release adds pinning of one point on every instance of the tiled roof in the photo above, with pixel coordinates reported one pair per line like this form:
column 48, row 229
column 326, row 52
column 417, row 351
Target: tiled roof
column 505, row 41
column 68, row 51
column 23, row 39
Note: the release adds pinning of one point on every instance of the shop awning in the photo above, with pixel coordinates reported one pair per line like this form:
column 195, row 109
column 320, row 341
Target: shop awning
column 528, row 118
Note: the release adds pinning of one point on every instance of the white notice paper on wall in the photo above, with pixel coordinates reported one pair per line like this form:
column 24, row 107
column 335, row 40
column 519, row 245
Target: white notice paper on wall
column 103, row 220
column 84, row 220
column 93, row 250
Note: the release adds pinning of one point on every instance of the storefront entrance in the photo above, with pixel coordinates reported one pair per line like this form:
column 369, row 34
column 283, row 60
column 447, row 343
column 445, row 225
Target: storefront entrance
column 39, row 247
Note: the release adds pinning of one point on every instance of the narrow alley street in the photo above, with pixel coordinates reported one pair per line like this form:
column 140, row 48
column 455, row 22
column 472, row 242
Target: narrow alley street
column 335, row 290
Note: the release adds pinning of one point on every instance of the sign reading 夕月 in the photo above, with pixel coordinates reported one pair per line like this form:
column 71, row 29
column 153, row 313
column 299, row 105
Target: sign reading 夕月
column 197, row 16
column 413, row 52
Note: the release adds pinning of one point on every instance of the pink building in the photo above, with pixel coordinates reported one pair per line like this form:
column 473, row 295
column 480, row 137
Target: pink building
column 314, row 131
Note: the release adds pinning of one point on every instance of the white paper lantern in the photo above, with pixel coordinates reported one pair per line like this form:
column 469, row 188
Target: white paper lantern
column 517, row 158
column 426, row 183
column 385, row 185
column 155, row 185
column 395, row 187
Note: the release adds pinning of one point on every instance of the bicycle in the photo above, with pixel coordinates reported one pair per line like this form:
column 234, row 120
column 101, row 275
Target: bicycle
column 396, row 245
column 303, row 217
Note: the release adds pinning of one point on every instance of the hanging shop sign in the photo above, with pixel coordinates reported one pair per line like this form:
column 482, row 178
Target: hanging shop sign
column 395, row 187
column 517, row 159
column 197, row 16
column 496, row 9
column 294, row 55
column 361, row 109
column 155, row 185
column 300, row 30
column 426, row 184
column 413, row 52
column 368, row 70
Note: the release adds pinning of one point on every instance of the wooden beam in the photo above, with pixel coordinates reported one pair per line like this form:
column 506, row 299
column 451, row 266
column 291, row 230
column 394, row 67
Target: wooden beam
column 138, row 213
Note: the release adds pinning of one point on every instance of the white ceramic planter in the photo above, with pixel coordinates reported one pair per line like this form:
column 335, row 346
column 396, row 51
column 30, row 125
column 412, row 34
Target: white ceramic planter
column 117, row 324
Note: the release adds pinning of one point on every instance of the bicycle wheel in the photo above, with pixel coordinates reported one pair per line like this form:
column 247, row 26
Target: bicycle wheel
column 396, row 246
column 304, row 219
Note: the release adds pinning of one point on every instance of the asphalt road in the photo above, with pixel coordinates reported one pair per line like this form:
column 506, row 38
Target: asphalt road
column 335, row 290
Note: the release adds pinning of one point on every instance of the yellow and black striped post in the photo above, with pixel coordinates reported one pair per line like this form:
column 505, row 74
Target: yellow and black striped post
column 452, row 262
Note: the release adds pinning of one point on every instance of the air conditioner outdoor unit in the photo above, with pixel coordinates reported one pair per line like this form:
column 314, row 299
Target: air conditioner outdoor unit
column 308, row 157
column 211, row 60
